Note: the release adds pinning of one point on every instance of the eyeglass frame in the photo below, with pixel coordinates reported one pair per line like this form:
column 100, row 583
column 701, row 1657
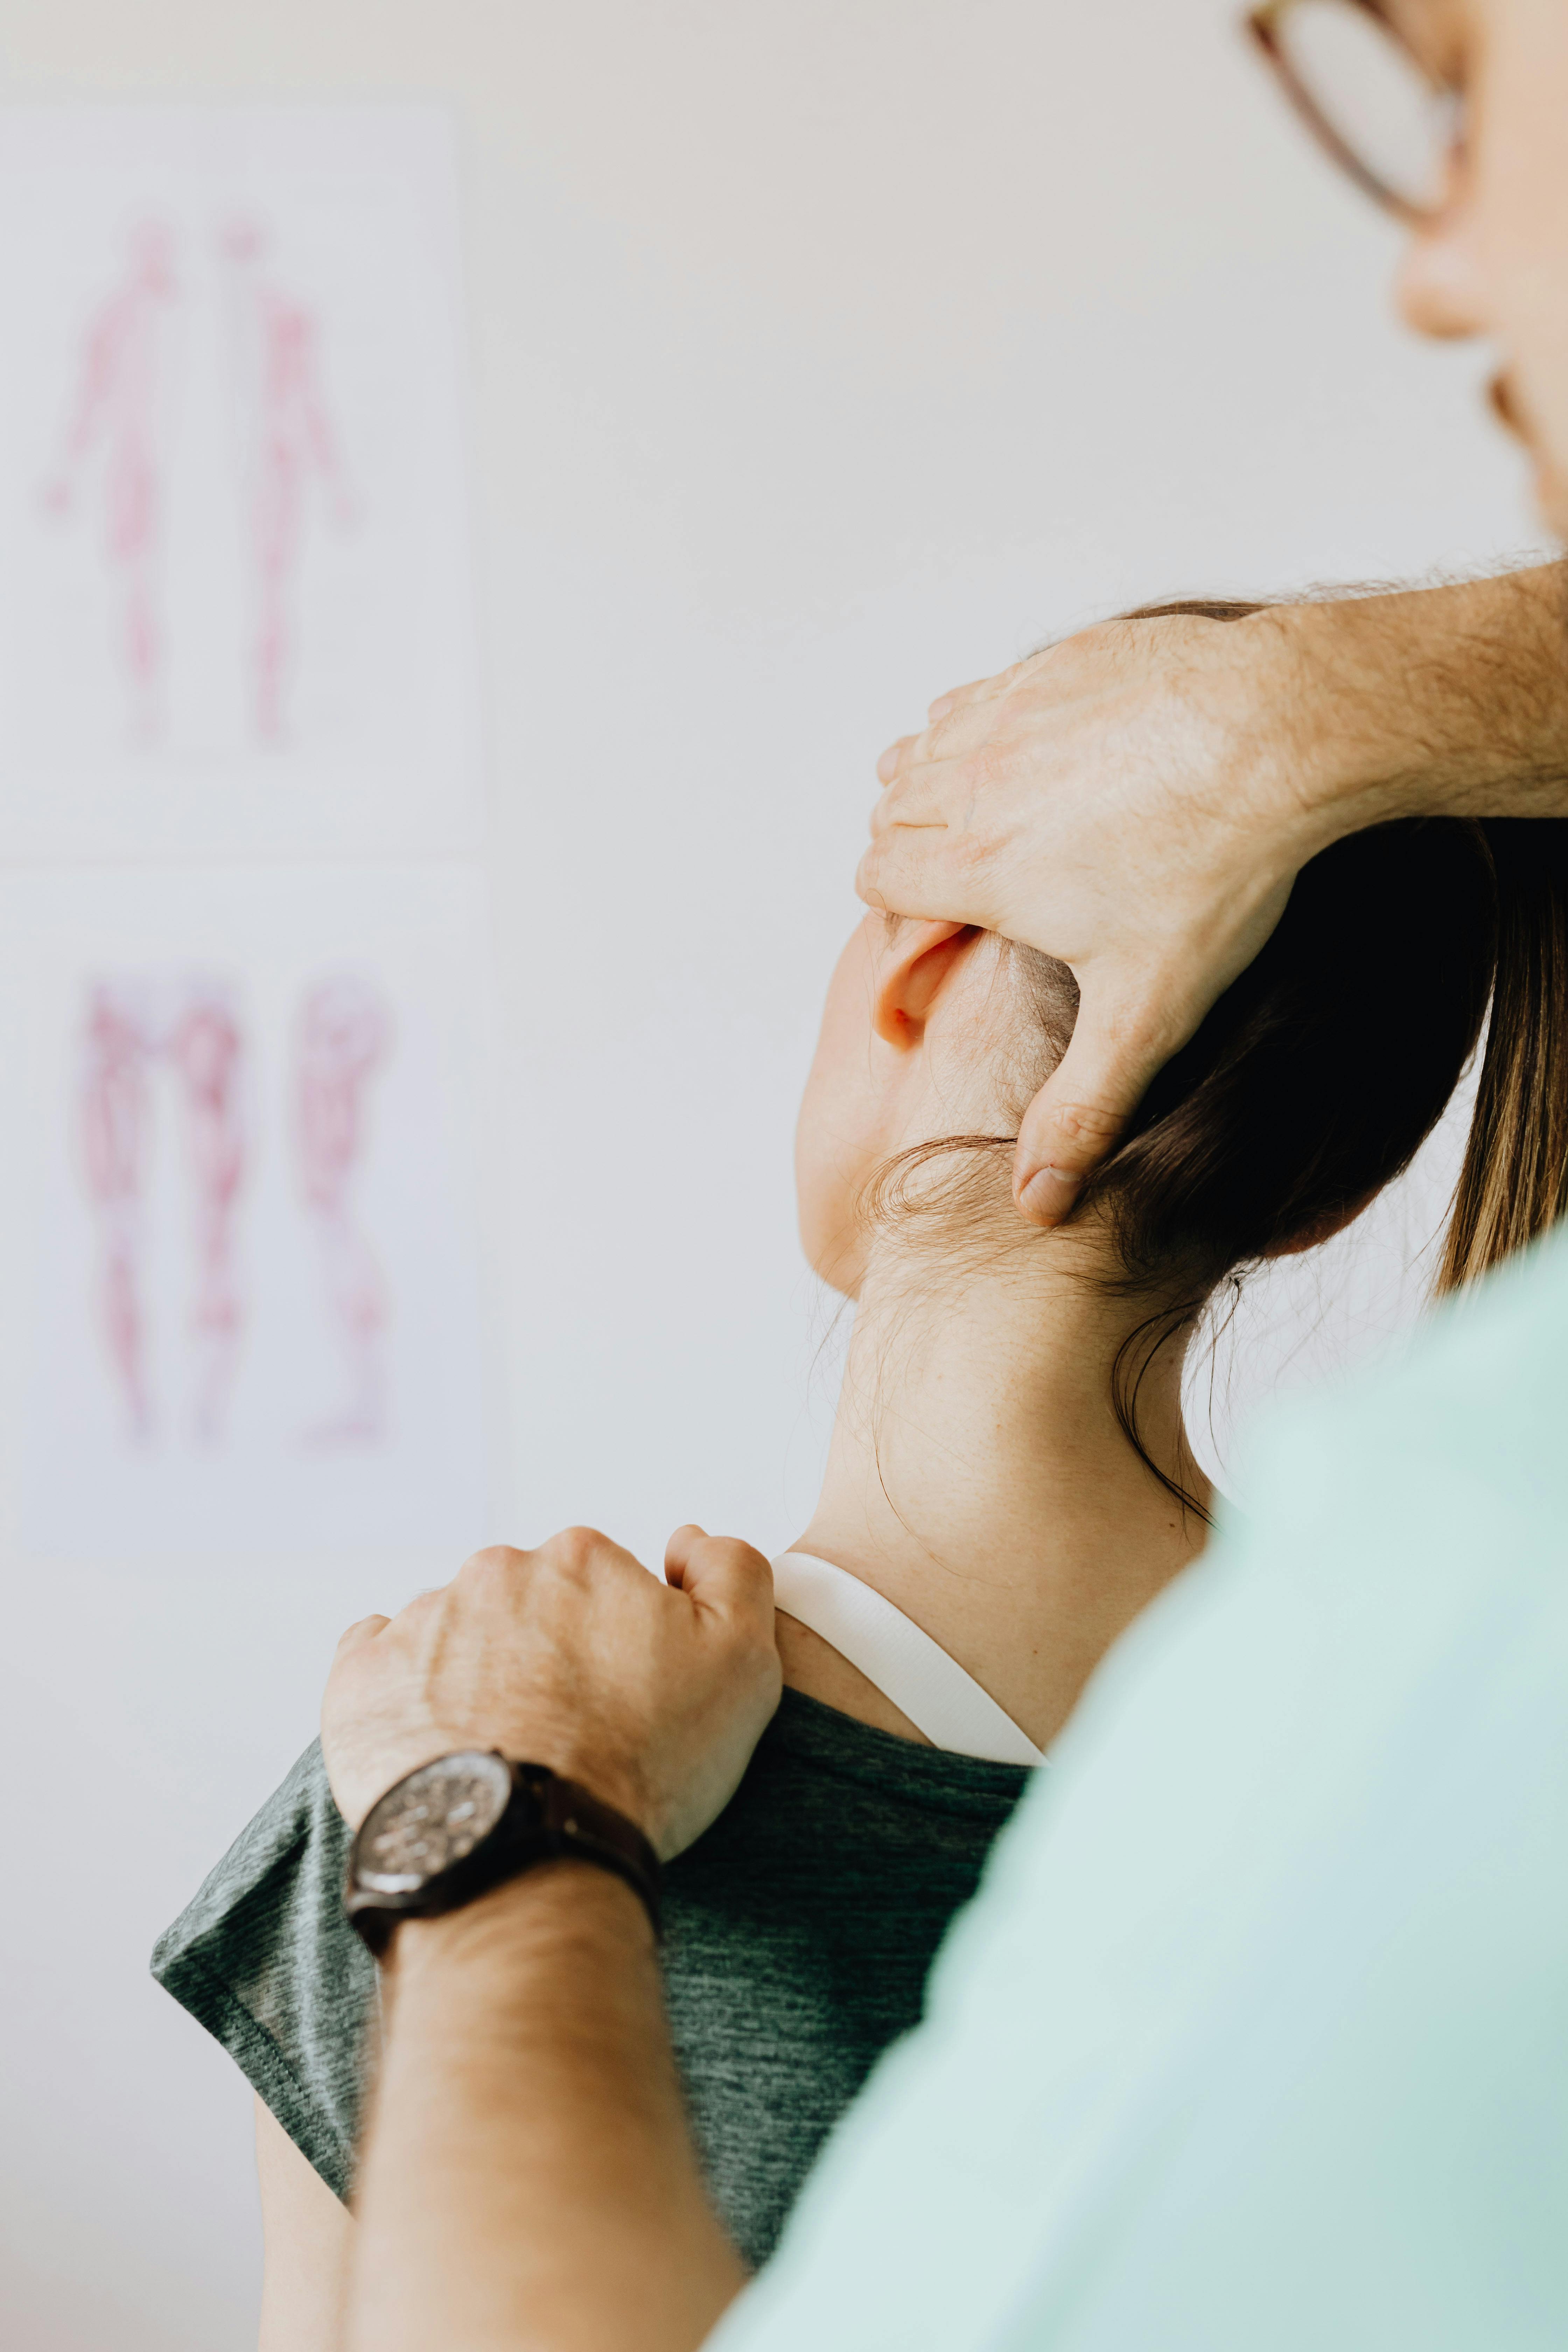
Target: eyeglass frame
column 1263, row 24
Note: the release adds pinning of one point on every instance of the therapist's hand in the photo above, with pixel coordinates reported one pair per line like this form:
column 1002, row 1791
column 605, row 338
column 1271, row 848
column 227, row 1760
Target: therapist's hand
column 652, row 1695
column 1137, row 800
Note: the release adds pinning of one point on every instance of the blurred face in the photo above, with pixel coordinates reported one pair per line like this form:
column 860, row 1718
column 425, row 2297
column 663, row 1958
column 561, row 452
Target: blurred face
column 1495, row 262
column 903, row 1056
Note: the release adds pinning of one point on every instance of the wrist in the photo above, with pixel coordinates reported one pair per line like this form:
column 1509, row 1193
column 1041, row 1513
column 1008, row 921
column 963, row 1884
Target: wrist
column 564, row 1900
column 455, row 1830
column 1320, row 725
column 360, row 1782
column 1447, row 701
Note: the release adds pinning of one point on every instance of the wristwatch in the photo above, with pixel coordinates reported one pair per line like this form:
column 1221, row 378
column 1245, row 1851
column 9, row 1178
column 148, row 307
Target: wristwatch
column 457, row 1827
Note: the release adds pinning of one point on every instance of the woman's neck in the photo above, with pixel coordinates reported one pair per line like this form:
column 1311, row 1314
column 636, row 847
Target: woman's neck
column 978, row 1478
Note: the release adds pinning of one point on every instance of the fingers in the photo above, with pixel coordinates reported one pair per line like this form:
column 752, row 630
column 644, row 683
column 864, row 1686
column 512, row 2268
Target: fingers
column 720, row 1574
column 962, row 728
column 572, row 1556
column 956, row 696
column 896, row 759
column 979, row 690
column 679, row 1550
column 910, row 753
column 584, row 1556
column 923, row 859
column 926, row 874
column 958, row 700
column 1079, row 1116
column 357, row 1635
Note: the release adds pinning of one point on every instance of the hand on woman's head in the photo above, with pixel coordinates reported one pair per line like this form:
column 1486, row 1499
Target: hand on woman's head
column 1137, row 801
column 1105, row 801
column 1307, row 1086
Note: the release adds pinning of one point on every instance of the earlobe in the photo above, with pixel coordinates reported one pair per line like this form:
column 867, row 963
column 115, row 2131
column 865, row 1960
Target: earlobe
column 916, row 963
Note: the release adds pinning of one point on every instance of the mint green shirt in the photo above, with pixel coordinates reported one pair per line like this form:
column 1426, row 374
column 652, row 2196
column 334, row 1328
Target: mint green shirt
column 1255, row 2039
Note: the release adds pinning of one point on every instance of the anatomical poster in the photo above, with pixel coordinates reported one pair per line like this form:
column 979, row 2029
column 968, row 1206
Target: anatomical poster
column 250, row 1306
column 236, row 597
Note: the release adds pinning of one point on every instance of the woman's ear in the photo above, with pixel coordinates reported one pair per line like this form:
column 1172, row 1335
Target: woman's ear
column 915, row 962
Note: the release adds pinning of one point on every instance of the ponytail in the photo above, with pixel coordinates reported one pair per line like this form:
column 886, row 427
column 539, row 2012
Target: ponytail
column 1513, row 1186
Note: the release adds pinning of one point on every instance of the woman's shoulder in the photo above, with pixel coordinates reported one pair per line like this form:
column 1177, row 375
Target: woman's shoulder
column 830, row 1807
column 799, row 1931
column 263, row 1957
column 809, row 1740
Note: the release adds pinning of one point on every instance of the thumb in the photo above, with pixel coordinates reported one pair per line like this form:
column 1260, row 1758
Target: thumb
column 720, row 1574
column 1079, row 1116
column 359, row 1634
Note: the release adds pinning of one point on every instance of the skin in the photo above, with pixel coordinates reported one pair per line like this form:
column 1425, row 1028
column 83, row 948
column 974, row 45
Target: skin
column 480, row 2225
column 977, row 1475
column 1495, row 261
column 529, row 2180
column 955, row 1444
column 306, row 2234
column 1137, row 799
column 568, row 1655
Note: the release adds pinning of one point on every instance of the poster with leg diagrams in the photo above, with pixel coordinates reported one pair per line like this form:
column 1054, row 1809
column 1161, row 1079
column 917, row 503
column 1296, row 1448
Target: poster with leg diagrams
column 253, row 1102
column 235, row 595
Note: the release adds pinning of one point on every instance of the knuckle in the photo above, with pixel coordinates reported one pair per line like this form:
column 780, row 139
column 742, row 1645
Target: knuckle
column 493, row 1556
column 738, row 1558
column 484, row 1566
column 1033, row 664
column 575, row 1551
column 1086, row 1123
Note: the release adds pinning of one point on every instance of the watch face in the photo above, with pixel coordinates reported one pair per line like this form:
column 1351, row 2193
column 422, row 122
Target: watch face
column 430, row 1820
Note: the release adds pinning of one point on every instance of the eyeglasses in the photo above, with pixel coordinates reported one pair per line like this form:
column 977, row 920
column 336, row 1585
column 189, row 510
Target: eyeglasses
column 1366, row 97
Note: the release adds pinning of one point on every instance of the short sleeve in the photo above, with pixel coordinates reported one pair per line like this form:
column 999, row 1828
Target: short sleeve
column 263, row 1957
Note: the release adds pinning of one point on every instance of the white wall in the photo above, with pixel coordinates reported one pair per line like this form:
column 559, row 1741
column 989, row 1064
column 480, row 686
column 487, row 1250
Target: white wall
column 825, row 353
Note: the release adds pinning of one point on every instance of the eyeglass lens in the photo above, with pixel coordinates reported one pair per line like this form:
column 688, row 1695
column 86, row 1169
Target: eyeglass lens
column 1372, row 95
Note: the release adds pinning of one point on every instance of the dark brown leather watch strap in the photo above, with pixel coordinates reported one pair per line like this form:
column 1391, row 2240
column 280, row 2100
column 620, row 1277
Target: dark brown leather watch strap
column 546, row 1819
column 582, row 1826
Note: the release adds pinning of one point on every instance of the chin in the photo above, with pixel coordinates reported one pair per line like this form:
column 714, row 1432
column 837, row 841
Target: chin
column 845, row 1274
column 835, row 1256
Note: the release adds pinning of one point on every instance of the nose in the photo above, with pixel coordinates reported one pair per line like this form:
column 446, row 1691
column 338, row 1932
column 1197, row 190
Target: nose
column 1440, row 288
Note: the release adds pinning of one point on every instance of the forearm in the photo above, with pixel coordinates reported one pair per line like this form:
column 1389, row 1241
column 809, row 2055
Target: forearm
column 530, row 2179
column 306, row 2235
column 1450, row 701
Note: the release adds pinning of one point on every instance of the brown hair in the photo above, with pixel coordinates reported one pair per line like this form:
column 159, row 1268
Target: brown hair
column 1320, row 1072
column 1513, row 1186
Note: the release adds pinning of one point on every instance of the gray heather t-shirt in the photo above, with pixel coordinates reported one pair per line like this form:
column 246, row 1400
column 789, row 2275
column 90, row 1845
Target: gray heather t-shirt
column 798, row 1932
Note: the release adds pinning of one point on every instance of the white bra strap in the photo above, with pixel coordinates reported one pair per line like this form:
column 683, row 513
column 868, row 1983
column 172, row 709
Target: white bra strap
column 903, row 1662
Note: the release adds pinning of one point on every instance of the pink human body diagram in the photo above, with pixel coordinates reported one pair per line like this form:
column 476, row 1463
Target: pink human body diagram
column 116, row 408
column 189, row 1030
column 344, row 1036
column 288, row 440
column 285, row 443
column 192, row 1029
